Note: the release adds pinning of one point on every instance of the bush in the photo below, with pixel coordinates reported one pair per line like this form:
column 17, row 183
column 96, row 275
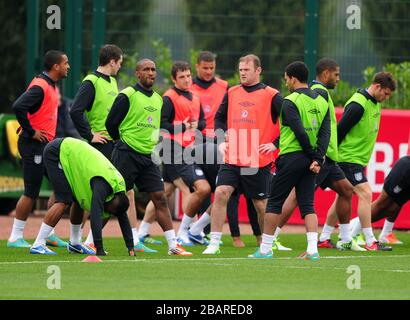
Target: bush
column 340, row 95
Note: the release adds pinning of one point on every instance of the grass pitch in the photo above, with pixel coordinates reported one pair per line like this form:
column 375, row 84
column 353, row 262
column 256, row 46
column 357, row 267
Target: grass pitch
column 231, row 275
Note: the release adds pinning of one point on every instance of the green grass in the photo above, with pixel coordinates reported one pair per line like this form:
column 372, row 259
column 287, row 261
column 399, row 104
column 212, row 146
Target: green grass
column 384, row 275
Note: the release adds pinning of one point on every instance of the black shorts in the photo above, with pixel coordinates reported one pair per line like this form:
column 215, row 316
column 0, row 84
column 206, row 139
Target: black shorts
column 329, row 173
column 169, row 173
column 209, row 160
column 58, row 180
column 105, row 148
column 31, row 152
column 253, row 186
column 189, row 173
column 292, row 171
column 397, row 184
column 353, row 172
column 137, row 169
column 211, row 174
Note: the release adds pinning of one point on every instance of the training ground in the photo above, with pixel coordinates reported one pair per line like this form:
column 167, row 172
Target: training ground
column 230, row 275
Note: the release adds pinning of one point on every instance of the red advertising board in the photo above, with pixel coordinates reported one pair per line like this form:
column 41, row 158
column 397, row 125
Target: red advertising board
column 392, row 143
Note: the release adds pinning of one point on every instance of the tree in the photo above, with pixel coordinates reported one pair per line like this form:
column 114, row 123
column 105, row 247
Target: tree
column 273, row 30
column 12, row 51
column 389, row 24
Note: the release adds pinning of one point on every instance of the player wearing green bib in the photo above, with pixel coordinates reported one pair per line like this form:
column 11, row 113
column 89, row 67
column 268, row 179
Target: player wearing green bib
column 330, row 175
column 357, row 133
column 82, row 176
column 134, row 120
column 90, row 110
column 304, row 140
column 95, row 98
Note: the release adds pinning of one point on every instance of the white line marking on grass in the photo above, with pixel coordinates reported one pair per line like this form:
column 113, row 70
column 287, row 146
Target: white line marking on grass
column 198, row 259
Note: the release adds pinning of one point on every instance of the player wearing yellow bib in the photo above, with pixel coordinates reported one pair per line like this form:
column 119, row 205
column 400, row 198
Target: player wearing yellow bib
column 134, row 120
column 84, row 177
column 331, row 175
column 304, row 140
column 357, row 133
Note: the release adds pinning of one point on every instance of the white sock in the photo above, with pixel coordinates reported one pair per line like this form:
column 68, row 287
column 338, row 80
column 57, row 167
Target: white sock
column 52, row 232
column 355, row 227
column 326, row 232
column 266, row 245
column 144, row 229
column 42, row 235
column 387, row 228
column 89, row 239
column 135, row 236
column 75, row 234
column 312, row 242
column 215, row 238
column 202, row 222
column 18, row 229
column 344, row 233
column 369, row 236
column 277, row 233
column 184, row 226
column 171, row 238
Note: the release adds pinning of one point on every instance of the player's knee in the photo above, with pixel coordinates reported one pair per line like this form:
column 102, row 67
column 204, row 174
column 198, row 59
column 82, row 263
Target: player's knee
column 159, row 199
column 204, row 189
column 346, row 191
column 222, row 193
column 365, row 196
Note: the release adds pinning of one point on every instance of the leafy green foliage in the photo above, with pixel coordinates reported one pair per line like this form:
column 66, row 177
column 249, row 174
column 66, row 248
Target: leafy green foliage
column 12, row 49
column 389, row 24
column 400, row 98
column 273, row 30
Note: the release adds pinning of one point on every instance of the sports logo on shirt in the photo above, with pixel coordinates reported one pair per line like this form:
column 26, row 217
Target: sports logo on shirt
column 38, row 158
column 397, row 189
column 207, row 108
column 150, row 109
column 244, row 113
column 150, row 119
column 358, row 176
column 246, row 104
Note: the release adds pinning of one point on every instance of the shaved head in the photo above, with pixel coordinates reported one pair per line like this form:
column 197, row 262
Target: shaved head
column 141, row 63
column 146, row 73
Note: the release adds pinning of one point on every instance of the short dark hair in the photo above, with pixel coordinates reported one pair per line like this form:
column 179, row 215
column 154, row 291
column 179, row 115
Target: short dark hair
column 298, row 70
column 51, row 58
column 206, row 56
column 325, row 64
column 251, row 57
column 109, row 52
column 179, row 66
column 385, row 79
